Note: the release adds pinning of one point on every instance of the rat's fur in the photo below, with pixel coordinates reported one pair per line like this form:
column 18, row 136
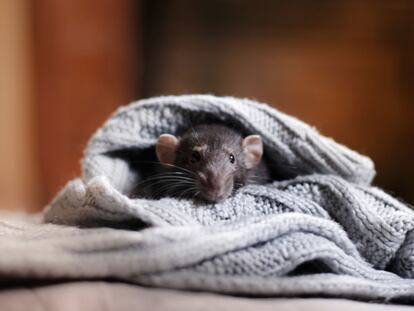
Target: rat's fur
column 213, row 177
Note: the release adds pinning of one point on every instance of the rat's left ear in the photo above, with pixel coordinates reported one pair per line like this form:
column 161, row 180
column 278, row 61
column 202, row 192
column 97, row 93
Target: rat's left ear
column 253, row 150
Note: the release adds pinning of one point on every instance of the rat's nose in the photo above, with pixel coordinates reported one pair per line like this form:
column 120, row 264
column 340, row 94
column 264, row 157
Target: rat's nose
column 213, row 188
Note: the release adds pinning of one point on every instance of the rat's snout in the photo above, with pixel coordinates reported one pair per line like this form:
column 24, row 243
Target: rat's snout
column 214, row 187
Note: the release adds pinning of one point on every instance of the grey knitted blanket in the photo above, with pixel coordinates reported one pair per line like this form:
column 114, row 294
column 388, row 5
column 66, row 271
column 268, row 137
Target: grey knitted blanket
column 323, row 230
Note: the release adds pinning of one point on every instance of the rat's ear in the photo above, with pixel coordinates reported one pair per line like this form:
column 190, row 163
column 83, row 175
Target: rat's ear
column 253, row 150
column 165, row 149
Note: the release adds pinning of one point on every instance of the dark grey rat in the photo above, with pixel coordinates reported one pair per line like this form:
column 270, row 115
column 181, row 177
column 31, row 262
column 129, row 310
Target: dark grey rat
column 210, row 162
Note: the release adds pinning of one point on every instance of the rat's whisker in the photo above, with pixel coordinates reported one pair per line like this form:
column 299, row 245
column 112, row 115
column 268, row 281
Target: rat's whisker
column 166, row 189
column 166, row 164
column 196, row 194
column 172, row 181
column 185, row 192
column 163, row 185
column 181, row 168
column 178, row 177
column 165, row 176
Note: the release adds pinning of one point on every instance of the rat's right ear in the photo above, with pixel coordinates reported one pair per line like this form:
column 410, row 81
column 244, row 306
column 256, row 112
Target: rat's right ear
column 166, row 148
column 253, row 150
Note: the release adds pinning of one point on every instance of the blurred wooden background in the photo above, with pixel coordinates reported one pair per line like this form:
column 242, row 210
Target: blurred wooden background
column 345, row 66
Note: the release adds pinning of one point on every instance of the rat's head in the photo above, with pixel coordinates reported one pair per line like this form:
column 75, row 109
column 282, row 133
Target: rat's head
column 215, row 158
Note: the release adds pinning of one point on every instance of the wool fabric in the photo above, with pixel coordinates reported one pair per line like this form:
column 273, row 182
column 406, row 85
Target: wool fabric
column 322, row 230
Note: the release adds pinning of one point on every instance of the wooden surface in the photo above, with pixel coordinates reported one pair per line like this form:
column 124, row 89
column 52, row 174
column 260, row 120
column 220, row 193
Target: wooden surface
column 86, row 65
column 345, row 66
column 18, row 163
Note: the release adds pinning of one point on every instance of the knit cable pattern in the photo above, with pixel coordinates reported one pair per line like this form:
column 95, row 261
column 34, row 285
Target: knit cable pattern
column 323, row 230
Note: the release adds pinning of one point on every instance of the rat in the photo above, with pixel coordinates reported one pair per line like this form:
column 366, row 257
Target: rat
column 208, row 162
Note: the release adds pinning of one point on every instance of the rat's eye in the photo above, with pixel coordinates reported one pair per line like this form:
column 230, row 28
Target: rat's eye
column 232, row 158
column 195, row 157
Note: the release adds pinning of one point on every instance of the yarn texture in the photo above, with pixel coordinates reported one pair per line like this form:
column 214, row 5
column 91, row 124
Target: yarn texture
column 323, row 230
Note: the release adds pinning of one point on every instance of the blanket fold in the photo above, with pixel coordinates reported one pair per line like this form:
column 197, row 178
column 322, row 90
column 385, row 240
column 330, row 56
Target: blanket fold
column 322, row 229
